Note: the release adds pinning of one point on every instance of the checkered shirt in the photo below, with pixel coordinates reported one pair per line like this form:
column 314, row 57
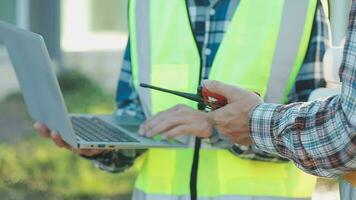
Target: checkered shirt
column 319, row 136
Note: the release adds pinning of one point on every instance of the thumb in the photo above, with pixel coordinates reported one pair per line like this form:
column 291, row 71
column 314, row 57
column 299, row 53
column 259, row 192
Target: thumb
column 223, row 89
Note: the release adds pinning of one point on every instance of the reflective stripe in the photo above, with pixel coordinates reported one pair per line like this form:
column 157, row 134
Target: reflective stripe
column 140, row 195
column 347, row 192
column 287, row 49
column 143, row 45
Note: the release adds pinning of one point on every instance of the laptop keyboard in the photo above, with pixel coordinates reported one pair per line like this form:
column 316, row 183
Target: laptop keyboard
column 96, row 130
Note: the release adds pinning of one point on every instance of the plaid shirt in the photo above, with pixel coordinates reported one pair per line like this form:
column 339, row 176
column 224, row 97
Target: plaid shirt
column 319, row 136
column 210, row 20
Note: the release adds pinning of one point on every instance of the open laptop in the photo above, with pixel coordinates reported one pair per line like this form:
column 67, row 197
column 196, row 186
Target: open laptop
column 45, row 103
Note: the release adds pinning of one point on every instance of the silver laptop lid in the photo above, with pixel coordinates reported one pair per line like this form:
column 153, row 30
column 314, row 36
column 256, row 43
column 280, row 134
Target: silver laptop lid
column 38, row 82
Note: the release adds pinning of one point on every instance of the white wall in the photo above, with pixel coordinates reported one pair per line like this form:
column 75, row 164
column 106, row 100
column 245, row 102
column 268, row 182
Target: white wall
column 339, row 14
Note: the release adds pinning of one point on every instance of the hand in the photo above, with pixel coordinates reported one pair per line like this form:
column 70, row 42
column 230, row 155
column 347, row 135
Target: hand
column 177, row 121
column 56, row 138
column 232, row 120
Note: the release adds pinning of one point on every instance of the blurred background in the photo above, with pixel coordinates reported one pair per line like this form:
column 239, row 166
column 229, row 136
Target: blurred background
column 86, row 40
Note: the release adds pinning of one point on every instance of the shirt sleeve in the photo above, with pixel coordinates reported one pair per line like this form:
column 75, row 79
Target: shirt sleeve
column 319, row 136
column 127, row 101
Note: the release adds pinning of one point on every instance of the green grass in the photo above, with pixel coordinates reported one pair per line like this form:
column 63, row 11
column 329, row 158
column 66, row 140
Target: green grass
column 34, row 168
column 38, row 169
column 83, row 95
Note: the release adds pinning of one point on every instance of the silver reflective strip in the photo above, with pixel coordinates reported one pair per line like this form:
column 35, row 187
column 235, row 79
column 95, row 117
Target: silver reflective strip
column 290, row 35
column 347, row 192
column 143, row 42
column 140, row 195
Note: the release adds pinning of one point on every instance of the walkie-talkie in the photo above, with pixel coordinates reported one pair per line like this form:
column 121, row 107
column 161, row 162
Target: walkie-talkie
column 205, row 97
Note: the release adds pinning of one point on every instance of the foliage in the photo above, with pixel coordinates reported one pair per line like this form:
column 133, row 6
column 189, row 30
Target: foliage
column 37, row 168
column 83, row 95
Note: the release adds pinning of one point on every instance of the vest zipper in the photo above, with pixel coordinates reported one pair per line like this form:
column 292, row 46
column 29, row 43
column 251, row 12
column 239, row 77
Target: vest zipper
column 197, row 144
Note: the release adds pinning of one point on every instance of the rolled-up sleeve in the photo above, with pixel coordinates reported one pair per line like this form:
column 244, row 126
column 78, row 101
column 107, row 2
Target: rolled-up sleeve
column 319, row 136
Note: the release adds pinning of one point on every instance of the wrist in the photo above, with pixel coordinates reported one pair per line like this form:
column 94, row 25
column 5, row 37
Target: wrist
column 95, row 156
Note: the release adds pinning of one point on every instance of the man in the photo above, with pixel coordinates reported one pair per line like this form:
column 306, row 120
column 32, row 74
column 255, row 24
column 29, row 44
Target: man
column 176, row 44
column 319, row 136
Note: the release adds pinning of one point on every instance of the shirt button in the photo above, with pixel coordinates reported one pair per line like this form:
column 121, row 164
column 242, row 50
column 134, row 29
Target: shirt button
column 211, row 12
column 207, row 51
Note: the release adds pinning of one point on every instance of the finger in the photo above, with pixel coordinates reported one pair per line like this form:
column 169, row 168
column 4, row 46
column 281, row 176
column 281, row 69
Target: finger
column 228, row 91
column 42, row 130
column 165, row 112
column 166, row 124
column 154, row 121
column 149, row 122
column 59, row 142
column 178, row 131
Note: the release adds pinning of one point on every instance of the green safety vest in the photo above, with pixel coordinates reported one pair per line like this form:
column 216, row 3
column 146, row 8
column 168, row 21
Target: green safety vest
column 262, row 51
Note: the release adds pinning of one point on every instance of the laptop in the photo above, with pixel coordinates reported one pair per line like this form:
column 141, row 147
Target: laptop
column 45, row 103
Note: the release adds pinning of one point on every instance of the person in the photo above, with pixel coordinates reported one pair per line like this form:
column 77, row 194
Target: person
column 318, row 136
column 176, row 44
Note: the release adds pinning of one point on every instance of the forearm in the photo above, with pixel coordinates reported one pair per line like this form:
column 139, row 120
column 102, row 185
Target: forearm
column 317, row 136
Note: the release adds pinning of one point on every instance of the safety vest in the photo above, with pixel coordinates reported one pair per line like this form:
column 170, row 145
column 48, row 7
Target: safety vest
column 262, row 51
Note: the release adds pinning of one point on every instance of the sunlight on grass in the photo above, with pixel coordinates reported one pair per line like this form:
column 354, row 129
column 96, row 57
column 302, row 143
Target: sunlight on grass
column 40, row 168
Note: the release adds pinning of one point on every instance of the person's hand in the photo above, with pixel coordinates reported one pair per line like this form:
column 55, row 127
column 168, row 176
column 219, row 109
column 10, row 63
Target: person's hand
column 177, row 121
column 56, row 138
column 232, row 120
